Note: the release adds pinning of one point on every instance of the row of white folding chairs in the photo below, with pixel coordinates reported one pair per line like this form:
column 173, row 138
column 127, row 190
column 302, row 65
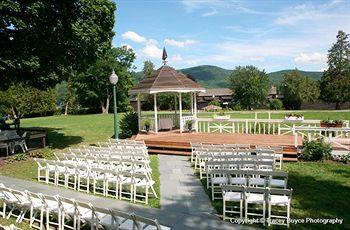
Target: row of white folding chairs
column 198, row 147
column 126, row 154
column 130, row 165
column 278, row 153
column 130, row 185
column 265, row 197
column 127, row 142
column 252, row 178
column 107, row 150
column 275, row 151
column 266, row 166
column 108, row 162
column 252, row 162
column 124, row 143
column 63, row 213
column 110, row 152
column 260, row 154
column 207, row 154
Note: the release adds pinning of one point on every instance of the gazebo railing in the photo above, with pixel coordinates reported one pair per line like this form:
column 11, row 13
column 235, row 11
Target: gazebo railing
column 174, row 117
column 185, row 119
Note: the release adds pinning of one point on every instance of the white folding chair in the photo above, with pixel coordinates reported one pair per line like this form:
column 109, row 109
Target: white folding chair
column 256, row 196
column 277, row 179
column 37, row 207
column 142, row 181
column 126, row 186
column 52, row 211
column 256, row 178
column 68, row 213
column 41, row 167
column 112, row 183
column 217, row 179
column 85, row 215
column 98, row 181
column 124, row 220
column 22, row 204
column 146, row 223
column 83, row 178
column 280, row 198
column 232, row 194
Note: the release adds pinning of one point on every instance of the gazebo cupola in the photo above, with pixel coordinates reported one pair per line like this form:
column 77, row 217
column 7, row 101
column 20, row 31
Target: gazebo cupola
column 167, row 79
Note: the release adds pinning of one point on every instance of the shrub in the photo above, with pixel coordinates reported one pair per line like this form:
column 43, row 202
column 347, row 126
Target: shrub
column 316, row 150
column 42, row 153
column 276, row 104
column 213, row 102
column 345, row 158
column 236, row 107
column 17, row 157
column 129, row 124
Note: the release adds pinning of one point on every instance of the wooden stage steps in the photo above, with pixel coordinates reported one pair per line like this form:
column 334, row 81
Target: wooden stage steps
column 174, row 143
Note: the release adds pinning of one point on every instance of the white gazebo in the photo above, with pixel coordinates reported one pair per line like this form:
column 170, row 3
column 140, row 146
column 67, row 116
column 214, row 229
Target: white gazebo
column 167, row 79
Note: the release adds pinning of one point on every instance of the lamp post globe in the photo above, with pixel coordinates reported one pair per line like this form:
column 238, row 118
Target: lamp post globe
column 113, row 79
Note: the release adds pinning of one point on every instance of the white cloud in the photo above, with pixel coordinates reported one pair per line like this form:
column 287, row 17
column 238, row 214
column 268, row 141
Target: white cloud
column 210, row 13
column 175, row 58
column 259, row 59
column 311, row 58
column 151, row 50
column 179, row 44
column 133, row 36
column 306, row 13
column 217, row 6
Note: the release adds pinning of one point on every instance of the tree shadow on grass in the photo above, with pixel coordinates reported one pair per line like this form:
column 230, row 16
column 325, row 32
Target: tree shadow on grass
column 317, row 198
column 58, row 140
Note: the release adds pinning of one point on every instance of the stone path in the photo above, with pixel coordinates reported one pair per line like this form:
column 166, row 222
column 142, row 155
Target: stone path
column 184, row 203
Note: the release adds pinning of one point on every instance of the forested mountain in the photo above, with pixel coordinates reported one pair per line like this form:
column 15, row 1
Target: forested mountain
column 211, row 76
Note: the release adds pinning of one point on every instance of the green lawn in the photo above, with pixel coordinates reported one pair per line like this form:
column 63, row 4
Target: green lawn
column 320, row 190
column 66, row 131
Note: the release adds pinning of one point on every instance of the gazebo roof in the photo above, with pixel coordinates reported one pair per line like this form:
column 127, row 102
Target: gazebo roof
column 166, row 79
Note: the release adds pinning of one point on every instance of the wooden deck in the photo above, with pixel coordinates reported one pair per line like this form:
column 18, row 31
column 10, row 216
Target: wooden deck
column 173, row 142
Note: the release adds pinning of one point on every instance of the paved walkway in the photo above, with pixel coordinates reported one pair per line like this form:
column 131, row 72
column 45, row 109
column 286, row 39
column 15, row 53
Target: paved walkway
column 184, row 203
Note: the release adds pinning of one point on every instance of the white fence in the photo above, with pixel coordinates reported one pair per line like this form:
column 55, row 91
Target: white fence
column 251, row 126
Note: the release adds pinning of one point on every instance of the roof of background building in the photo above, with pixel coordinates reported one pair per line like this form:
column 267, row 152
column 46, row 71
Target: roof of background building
column 216, row 92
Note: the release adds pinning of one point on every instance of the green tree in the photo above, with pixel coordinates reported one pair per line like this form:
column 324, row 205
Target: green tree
column 93, row 87
column 250, row 86
column 20, row 101
column 148, row 68
column 297, row 89
column 43, row 40
column 335, row 82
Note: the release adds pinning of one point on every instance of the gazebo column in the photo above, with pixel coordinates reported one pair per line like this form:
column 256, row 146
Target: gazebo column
column 180, row 112
column 139, row 111
column 155, row 114
column 192, row 104
column 175, row 111
column 195, row 111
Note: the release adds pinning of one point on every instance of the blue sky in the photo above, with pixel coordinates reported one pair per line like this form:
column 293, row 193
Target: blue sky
column 272, row 35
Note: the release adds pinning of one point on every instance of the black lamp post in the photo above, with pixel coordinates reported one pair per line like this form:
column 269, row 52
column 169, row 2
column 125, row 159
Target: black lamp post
column 113, row 79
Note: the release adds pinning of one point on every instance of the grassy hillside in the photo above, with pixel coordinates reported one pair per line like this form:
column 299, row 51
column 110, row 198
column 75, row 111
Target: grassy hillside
column 211, row 76
column 277, row 77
